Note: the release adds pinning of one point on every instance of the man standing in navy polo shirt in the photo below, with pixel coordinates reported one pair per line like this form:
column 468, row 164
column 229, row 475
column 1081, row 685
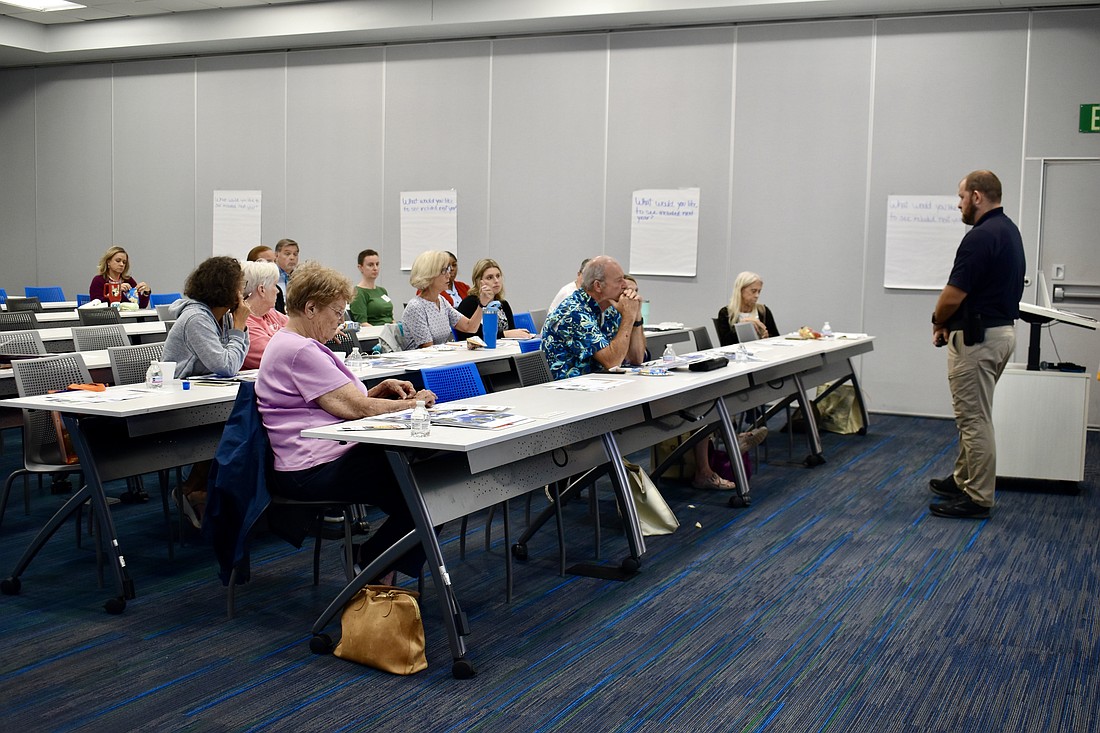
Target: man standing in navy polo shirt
column 975, row 318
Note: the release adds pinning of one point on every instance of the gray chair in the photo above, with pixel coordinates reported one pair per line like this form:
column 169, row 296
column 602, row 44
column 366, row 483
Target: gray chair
column 18, row 321
column 656, row 342
column 22, row 342
column 42, row 452
column 702, row 338
column 95, row 338
column 129, row 363
column 539, row 317
column 24, row 304
column 532, row 368
column 98, row 316
column 163, row 313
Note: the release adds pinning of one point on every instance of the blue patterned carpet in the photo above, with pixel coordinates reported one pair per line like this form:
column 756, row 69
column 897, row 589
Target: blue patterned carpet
column 835, row 603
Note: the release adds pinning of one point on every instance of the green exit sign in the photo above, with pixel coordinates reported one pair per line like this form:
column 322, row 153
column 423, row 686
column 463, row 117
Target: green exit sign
column 1090, row 118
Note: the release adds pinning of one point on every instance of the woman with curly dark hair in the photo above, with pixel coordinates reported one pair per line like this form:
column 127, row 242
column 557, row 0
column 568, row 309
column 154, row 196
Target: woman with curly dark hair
column 210, row 334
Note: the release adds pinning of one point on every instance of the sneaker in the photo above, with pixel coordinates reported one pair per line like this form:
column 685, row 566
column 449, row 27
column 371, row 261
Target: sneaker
column 962, row 508
column 751, row 439
column 945, row 487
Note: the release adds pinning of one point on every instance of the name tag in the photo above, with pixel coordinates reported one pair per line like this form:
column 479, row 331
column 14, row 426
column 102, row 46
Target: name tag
column 386, row 298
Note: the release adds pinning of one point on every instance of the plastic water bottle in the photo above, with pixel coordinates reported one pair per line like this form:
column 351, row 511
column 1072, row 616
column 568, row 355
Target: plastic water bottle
column 669, row 355
column 354, row 360
column 827, row 330
column 421, row 422
column 154, row 377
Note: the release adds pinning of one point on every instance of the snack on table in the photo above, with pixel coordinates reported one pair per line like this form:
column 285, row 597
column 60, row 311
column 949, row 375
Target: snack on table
column 808, row 333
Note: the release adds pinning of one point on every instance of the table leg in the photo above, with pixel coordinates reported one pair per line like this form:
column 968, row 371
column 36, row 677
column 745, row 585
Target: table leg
column 454, row 620
column 812, row 435
column 631, row 524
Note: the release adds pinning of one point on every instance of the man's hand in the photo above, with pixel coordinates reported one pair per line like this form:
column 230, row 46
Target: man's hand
column 939, row 336
column 629, row 305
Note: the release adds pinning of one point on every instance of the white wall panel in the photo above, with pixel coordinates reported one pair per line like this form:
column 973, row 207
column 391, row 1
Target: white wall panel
column 153, row 201
column 548, row 154
column 669, row 127
column 241, row 140
column 334, row 158
column 74, row 174
column 800, row 169
column 437, row 136
column 18, row 182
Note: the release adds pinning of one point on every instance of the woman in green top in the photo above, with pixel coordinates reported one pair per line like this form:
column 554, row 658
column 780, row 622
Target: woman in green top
column 372, row 305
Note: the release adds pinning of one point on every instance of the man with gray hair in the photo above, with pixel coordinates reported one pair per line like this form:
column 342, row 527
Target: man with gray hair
column 598, row 326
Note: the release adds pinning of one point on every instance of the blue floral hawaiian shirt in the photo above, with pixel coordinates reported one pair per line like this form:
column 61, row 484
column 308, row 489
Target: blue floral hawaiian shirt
column 575, row 331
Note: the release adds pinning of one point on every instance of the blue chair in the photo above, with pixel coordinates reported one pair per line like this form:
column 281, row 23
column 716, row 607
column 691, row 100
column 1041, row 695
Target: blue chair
column 453, row 382
column 163, row 299
column 524, row 320
column 3, row 296
column 82, row 298
column 47, row 294
column 528, row 345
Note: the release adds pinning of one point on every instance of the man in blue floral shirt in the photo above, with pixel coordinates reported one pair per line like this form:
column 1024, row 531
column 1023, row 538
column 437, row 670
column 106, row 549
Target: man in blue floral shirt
column 598, row 327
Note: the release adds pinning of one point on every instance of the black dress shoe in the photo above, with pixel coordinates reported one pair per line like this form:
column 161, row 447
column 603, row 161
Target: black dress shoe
column 945, row 487
column 961, row 508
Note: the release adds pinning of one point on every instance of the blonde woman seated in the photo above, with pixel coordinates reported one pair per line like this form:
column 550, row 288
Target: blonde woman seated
column 487, row 272
column 744, row 307
column 303, row 385
column 264, row 321
column 428, row 318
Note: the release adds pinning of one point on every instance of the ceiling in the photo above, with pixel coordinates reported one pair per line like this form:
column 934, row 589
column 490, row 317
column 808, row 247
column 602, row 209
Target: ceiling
column 129, row 29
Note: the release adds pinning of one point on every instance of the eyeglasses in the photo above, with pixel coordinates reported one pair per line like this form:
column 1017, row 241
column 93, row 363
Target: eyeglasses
column 338, row 311
column 447, row 270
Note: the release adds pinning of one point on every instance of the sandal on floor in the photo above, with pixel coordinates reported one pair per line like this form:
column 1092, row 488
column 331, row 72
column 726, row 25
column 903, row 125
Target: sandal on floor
column 715, row 483
column 183, row 501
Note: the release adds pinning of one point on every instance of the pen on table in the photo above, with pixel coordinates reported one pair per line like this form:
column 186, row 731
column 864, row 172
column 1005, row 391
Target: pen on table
column 205, row 383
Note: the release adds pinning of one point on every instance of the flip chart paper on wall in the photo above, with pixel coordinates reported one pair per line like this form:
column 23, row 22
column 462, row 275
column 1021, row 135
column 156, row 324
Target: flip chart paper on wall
column 664, row 232
column 236, row 222
column 429, row 220
column 922, row 234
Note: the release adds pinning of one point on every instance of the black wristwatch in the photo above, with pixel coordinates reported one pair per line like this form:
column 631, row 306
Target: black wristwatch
column 637, row 323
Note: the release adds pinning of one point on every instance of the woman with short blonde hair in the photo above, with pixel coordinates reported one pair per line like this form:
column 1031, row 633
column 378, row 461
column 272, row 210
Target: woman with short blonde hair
column 429, row 318
column 301, row 385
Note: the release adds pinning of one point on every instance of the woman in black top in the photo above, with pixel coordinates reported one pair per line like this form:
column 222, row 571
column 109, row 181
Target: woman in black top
column 745, row 307
column 488, row 272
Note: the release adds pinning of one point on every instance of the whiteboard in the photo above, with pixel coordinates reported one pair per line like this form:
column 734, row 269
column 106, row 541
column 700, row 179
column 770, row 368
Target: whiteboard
column 664, row 232
column 922, row 234
column 429, row 220
column 236, row 221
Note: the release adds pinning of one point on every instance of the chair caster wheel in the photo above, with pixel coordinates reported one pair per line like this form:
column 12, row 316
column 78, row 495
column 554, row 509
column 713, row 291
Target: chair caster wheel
column 630, row 565
column 10, row 586
column 519, row 551
column 862, row 431
column 115, row 606
column 462, row 669
column 321, row 644
column 738, row 502
column 813, row 460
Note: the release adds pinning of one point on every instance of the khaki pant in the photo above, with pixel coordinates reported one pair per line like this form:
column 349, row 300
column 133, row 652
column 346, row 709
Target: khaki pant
column 972, row 373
